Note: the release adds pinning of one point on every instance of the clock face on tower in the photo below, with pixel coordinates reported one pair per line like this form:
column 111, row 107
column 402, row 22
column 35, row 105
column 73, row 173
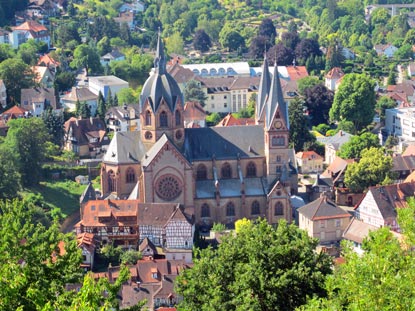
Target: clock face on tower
column 277, row 124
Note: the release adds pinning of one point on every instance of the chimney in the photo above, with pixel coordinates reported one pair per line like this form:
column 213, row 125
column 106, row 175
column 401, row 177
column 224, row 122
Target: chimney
column 341, row 133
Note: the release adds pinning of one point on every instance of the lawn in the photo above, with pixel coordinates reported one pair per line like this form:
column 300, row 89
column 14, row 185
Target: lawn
column 61, row 194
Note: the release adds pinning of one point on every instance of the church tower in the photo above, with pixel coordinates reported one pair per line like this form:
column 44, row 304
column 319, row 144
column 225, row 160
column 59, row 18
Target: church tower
column 263, row 92
column 161, row 104
column 276, row 129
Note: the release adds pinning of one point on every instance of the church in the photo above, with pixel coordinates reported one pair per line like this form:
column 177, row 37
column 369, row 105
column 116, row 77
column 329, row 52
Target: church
column 218, row 174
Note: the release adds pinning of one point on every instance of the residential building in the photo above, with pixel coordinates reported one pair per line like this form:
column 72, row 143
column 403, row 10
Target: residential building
column 401, row 123
column 4, row 36
column 29, row 30
column 44, row 77
column 135, row 7
column 194, row 115
column 403, row 166
column 221, row 174
column 356, row 232
column 76, row 94
column 406, row 89
column 123, row 119
column 380, row 203
column 332, row 144
column 85, row 137
column 309, row 162
column 114, row 55
column 151, row 280
column 230, row 120
column 125, row 18
column 87, row 243
column 106, row 84
column 332, row 77
column 411, row 69
column 324, row 220
column 47, row 61
column 3, row 94
column 387, row 50
column 38, row 100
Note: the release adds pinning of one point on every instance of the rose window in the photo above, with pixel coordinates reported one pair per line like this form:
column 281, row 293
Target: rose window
column 168, row 187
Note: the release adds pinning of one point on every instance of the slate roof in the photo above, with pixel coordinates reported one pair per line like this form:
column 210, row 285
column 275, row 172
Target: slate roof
column 337, row 140
column 389, row 198
column 125, row 147
column 81, row 94
column 114, row 54
column 155, row 214
column 264, row 87
column 403, row 163
column 37, row 95
column 83, row 129
column 205, row 189
column 88, row 194
column 224, row 142
column 146, row 243
column 322, row 209
column 357, row 231
column 118, row 112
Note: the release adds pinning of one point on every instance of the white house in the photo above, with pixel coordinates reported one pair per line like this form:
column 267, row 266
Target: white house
column 332, row 77
column 400, row 122
column 4, row 36
column 387, row 50
column 69, row 100
column 123, row 119
column 105, row 83
column 3, row 94
column 29, row 30
column 36, row 100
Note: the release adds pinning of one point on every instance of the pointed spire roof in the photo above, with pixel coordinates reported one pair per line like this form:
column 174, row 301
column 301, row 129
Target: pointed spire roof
column 160, row 60
column 88, row 194
column 276, row 101
column 264, row 86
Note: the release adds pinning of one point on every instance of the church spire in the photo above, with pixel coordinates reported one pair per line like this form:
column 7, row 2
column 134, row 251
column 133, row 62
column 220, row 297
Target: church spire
column 275, row 103
column 264, row 86
column 160, row 60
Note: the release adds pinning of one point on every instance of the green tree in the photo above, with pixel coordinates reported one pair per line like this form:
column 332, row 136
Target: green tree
column 101, row 106
column 259, row 268
column 193, row 92
column 130, row 257
column 307, row 83
column 16, row 76
column 379, row 279
column 354, row 147
column 175, row 44
column 201, row 41
column 64, row 80
column 267, row 29
column 372, row 169
column 355, row 101
column 54, row 124
column 233, row 41
column 9, row 175
column 84, row 112
column 127, row 96
column 391, row 78
column 318, row 100
column 385, row 102
column 299, row 133
column 27, row 139
column 213, row 119
column 34, row 270
column 86, row 57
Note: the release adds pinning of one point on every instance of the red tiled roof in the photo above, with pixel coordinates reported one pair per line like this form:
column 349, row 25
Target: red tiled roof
column 230, row 120
column 335, row 73
column 297, row 72
column 47, row 61
column 308, row 154
column 193, row 111
column 31, row 26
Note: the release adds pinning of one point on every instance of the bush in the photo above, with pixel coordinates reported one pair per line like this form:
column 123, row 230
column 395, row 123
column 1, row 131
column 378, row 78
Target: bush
column 218, row 227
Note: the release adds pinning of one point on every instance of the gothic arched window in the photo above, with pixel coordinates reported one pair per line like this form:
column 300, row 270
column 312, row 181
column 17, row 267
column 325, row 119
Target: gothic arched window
column 178, row 117
column 226, row 170
column 148, row 117
column 251, row 170
column 230, row 209
column 163, row 119
column 255, row 208
column 201, row 173
column 130, row 176
column 205, row 211
column 279, row 209
column 112, row 181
